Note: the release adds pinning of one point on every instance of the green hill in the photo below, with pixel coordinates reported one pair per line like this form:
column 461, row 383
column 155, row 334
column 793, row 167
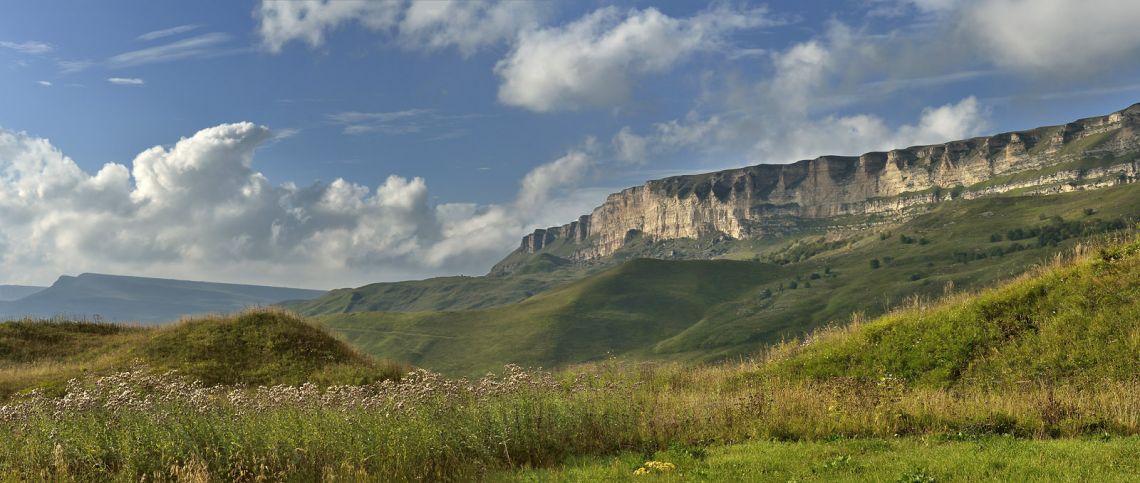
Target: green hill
column 532, row 276
column 626, row 309
column 714, row 309
column 1066, row 324
column 254, row 347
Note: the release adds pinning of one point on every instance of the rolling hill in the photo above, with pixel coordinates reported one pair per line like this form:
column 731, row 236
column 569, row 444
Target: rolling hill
column 254, row 347
column 757, row 295
column 140, row 299
column 9, row 293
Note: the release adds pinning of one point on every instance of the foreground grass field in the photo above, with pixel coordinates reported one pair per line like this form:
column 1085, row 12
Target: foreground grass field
column 918, row 460
column 935, row 392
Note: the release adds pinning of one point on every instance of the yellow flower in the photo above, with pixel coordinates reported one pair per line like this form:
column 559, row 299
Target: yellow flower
column 641, row 471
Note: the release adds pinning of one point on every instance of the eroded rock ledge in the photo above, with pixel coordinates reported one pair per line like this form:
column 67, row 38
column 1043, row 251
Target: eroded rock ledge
column 748, row 202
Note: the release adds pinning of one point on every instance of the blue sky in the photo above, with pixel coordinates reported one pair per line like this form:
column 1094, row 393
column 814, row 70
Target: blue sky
column 393, row 140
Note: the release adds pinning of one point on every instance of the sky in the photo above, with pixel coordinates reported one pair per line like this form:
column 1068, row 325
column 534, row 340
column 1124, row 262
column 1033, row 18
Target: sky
column 332, row 144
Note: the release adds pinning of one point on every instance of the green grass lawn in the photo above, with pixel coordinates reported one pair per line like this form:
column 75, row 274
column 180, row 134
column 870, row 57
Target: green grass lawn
column 917, row 460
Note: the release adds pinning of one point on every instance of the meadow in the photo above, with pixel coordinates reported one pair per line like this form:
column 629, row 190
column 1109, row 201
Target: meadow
column 1035, row 380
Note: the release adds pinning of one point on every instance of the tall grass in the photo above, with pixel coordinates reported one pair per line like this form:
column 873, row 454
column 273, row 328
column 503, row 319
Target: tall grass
column 139, row 424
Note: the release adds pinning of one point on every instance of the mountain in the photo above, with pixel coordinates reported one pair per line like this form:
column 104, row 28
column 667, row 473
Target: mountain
column 747, row 212
column 139, row 299
column 9, row 293
column 767, row 200
column 755, row 295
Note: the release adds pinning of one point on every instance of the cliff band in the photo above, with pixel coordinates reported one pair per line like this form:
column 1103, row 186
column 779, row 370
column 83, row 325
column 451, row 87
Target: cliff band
column 757, row 200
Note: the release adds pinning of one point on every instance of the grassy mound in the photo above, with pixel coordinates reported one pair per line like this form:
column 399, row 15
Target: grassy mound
column 1078, row 320
column 254, row 347
column 258, row 347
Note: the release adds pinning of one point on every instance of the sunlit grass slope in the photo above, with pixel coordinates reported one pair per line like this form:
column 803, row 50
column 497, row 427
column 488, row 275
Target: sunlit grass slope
column 1073, row 323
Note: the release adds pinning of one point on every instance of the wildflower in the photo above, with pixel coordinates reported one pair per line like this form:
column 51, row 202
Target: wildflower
column 655, row 467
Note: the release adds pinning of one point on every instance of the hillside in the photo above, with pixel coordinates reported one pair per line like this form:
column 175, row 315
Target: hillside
column 9, row 293
column 751, row 209
column 141, row 299
column 538, row 274
column 626, row 309
column 1074, row 323
column 757, row 295
column 254, row 347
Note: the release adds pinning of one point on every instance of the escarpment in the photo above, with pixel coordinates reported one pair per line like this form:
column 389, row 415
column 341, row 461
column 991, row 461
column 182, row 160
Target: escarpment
column 757, row 200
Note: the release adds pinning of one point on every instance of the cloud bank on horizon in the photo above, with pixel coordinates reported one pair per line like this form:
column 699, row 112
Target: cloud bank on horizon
column 201, row 209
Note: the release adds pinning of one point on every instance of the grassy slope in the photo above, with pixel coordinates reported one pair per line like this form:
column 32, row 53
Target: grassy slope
column 446, row 293
column 1079, row 322
column 625, row 309
column 255, row 347
column 600, row 316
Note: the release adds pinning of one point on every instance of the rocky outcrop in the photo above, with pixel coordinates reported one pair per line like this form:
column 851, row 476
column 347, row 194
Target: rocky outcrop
column 753, row 201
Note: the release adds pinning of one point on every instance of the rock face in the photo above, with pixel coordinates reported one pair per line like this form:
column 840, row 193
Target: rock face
column 753, row 201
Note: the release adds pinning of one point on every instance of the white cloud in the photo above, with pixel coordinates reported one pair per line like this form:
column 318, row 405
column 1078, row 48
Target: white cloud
column 30, row 48
column 465, row 24
column 778, row 119
column 629, row 146
column 126, row 81
column 594, row 61
column 200, row 210
column 205, row 45
column 158, row 34
column 1055, row 35
column 408, row 121
column 423, row 24
column 44, row 83
column 544, row 182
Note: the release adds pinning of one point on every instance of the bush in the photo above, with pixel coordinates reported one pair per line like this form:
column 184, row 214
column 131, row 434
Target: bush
column 875, row 263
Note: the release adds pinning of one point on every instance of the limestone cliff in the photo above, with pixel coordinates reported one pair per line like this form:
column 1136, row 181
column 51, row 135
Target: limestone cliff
column 753, row 201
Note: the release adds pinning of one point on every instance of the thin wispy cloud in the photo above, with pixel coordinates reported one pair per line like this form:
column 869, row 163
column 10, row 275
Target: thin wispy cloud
column 158, row 34
column 31, row 47
column 409, row 121
column 44, row 83
column 126, row 81
column 205, row 45
column 73, row 66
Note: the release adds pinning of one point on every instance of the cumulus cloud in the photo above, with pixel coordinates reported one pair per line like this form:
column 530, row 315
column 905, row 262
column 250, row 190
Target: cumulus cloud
column 199, row 209
column 464, row 24
column 594, row 61
column 778, row 118
column 432, row 24
column 1040, row 35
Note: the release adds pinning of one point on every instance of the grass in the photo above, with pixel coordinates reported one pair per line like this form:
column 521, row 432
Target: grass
column 254, row 347
column 918, row 460
column 709, row 310
column 792, row 414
